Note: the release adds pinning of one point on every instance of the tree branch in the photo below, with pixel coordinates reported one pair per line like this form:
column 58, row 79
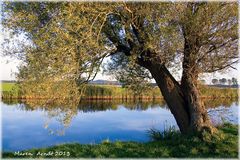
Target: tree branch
column 221, row 67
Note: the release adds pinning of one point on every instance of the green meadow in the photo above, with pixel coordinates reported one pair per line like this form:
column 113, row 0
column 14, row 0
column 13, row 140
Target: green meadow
column 170, row 144
column 8, row 86
column 11, row 90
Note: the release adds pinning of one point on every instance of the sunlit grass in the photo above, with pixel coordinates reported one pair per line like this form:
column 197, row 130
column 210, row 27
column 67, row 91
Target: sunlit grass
column 110, row 91
column 8, row 86
column 222, row 145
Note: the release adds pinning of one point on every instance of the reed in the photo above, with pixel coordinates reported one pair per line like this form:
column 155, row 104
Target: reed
column 109, row 92
column 215, row 92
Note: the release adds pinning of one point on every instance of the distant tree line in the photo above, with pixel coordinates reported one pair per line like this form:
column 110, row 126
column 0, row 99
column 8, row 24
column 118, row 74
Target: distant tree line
column 224, row 81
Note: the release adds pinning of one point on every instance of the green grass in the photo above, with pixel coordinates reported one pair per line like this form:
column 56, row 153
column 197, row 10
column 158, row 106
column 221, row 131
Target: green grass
column 218, row 92
column 8, row 86
column 222, row 145
column 11, row 90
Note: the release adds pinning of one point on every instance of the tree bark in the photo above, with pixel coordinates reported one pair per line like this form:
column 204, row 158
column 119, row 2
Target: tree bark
column 183, row 100
column 171, row 92
column 199, row 119
column 173, row 95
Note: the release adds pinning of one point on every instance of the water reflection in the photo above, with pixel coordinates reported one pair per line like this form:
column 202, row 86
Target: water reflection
column 214, row 103
column 63, row 113
column 28, row 124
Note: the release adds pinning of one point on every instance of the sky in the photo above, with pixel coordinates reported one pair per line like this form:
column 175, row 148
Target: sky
column 8, row 68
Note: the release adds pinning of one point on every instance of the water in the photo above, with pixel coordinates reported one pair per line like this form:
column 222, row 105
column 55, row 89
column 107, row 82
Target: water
column 29, row 125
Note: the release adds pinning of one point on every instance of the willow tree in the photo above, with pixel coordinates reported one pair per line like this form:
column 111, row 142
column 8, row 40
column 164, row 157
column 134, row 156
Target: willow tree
column 69, row 41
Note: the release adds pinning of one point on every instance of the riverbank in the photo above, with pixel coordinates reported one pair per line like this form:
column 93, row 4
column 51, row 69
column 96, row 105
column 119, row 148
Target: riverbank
column 111, row 92
column 223, row 145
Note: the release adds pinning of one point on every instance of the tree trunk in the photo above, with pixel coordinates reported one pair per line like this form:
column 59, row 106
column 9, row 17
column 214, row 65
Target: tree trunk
column 173, row 95
column 183, row 101
column 199, row 119
column 171, row 92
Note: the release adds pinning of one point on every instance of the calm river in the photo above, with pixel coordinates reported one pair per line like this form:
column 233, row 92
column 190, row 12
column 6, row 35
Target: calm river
column 32, row 125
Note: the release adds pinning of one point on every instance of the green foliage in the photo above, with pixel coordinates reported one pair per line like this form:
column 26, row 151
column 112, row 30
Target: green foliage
column 175, row 146
column 167, row 133
column 214, row 81
column 67, row 41
column 129, row 74
column 234, row 81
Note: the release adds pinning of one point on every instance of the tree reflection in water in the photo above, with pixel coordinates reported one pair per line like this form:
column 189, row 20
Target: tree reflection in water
column 63, row 112
column 214, row 103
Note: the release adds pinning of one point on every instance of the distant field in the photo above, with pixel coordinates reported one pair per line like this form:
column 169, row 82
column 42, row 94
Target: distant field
column 10, row 90
column 7, row 86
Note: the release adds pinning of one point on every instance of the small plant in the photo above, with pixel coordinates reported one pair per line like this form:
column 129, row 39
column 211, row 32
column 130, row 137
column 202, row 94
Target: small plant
column 168, row 133
column 106, row 141
column 155, row 135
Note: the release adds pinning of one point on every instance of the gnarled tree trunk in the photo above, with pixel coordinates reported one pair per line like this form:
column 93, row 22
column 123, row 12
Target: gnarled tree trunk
column 199, row 119
column 183, row 100
column 172, row 94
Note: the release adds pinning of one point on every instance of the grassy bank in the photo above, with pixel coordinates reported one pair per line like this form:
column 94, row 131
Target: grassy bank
column 223, row 145
column 8, row 86
column 92, row 92
column 106, row 92
column 216, row 92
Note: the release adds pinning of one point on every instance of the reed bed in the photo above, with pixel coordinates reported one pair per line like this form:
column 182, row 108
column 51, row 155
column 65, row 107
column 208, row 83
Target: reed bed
column 110, row 92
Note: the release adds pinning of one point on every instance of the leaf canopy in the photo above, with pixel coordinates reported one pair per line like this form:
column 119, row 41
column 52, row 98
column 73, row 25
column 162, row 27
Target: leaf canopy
column 69, row 40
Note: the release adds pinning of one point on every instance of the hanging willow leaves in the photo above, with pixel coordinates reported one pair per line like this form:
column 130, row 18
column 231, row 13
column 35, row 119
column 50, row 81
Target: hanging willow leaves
column 69, row 40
